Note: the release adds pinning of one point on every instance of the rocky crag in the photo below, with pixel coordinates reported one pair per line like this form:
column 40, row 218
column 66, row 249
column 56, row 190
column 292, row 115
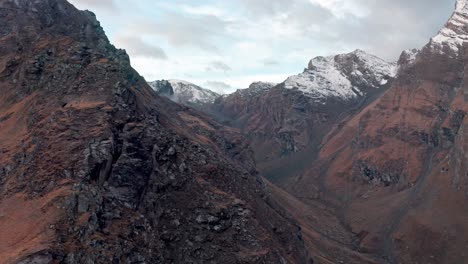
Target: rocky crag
column 96, row 168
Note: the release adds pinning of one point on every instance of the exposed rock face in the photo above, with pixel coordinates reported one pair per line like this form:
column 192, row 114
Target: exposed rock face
column 96, row 168
column 184, row 92
column 163, row 88
column 396, row 173
column 286, row 123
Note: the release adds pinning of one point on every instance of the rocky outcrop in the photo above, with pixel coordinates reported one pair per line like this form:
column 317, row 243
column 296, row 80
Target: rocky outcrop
column 96, row 168
column 163, row 88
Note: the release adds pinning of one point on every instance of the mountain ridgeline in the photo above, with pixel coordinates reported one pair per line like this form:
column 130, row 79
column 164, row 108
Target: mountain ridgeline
column 285, row 123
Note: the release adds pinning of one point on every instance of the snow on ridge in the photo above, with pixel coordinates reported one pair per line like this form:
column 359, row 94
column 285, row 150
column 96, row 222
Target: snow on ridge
column 261, row 86
column 342, row 76
column 375, row 64
column 411, row 54
column 461, row 6
column 192, row 93
column 187, row 92
column 254, row 89
column 408, row 57
column 177, row 81
column 455, row 32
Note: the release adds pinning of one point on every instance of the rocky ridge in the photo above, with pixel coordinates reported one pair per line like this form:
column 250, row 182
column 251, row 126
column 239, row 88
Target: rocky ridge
column 96, row 168
column 184, row 92
column 255, row 89
column 344, row 76
column 454, row 34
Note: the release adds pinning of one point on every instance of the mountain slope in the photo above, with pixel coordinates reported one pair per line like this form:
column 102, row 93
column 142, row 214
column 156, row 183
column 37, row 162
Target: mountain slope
column 395, row 173
column 96, row 168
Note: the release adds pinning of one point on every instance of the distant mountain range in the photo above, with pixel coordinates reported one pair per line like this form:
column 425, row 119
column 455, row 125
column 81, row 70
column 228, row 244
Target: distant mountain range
column 286, row 120
column 344, row 76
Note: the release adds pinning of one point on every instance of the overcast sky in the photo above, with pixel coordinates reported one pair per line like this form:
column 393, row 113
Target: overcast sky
column 227, row 44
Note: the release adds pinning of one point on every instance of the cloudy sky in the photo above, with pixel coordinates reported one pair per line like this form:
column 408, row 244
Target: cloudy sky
column 227, row 44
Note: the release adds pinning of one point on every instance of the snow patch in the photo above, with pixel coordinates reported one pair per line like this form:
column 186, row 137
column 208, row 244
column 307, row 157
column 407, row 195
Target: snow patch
column 324, row 80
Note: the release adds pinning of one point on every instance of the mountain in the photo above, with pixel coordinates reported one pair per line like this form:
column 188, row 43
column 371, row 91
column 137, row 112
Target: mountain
column 395, row 174
column 285, row 123
column 344, row 76
column 184, row 92
column 95, row 167
column 255, row 89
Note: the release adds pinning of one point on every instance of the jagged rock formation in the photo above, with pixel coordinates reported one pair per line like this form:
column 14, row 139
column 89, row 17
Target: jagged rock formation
column 96, row 168
column 184, row 92
column 163, row 88
column 286, row 123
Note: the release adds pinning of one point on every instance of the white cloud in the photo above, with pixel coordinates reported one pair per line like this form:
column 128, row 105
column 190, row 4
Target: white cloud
column 220, row 66
column 183, row 30
column 217, row 86
column 106, row 5
column 203, row 10
column 239, row 42
column 136, row 47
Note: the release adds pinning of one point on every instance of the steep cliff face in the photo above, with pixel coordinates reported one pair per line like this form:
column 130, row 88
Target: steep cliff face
column 96, row 168
column 396, row 172
column 286, row 123
column 163, row 88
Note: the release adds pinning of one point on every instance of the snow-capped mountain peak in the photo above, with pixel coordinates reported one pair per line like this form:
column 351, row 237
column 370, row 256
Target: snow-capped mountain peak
column 455, row 31
column 184, row 92
column 343, row 76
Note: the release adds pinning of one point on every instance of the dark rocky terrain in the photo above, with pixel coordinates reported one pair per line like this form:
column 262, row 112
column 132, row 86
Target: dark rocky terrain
column 96, row 168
